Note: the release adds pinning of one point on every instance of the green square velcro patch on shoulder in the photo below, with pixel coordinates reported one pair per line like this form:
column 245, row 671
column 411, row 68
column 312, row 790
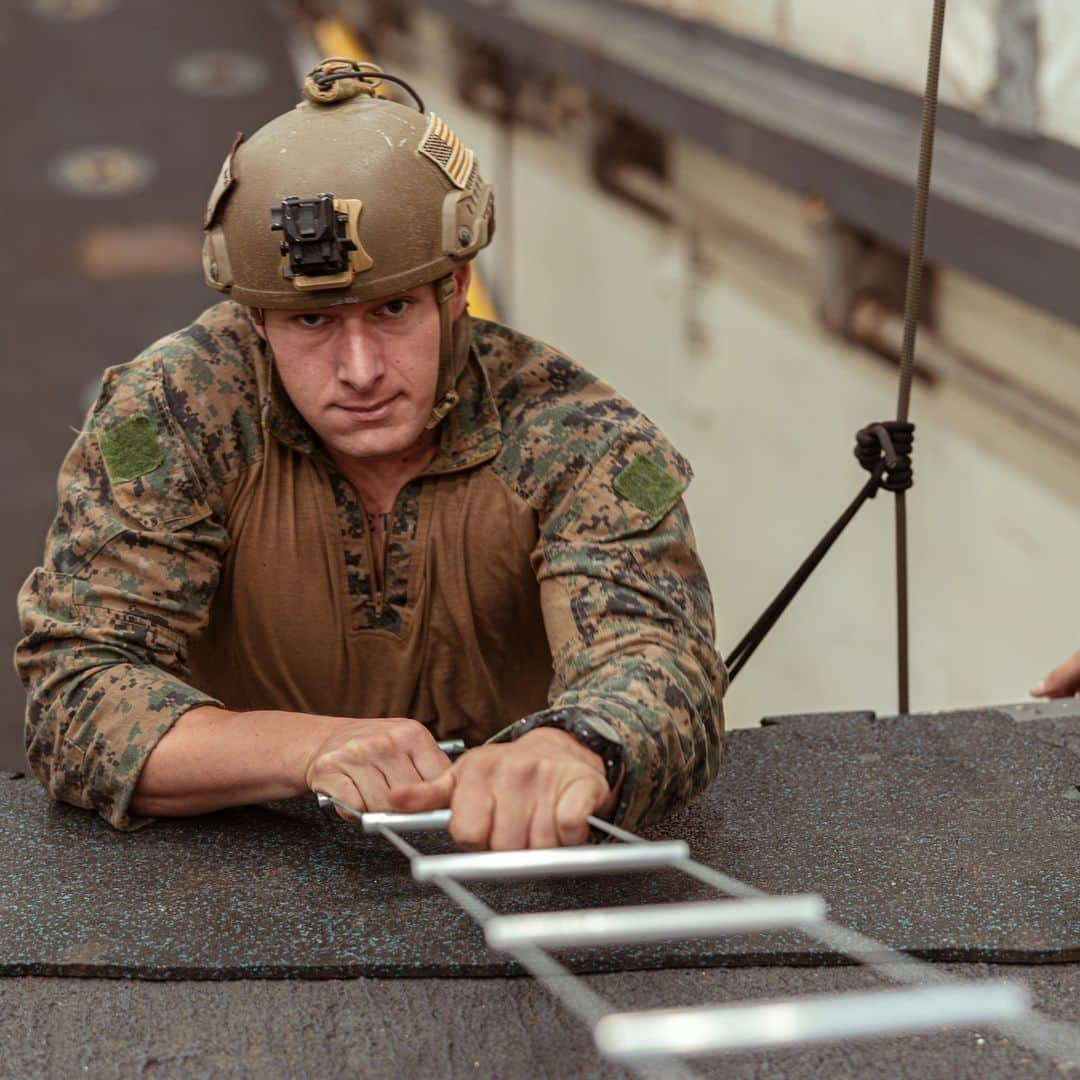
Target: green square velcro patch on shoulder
column 131, row 449
column 649, row 486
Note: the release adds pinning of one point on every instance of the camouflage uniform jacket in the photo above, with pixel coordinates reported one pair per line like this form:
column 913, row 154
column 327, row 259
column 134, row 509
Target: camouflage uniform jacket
column 541, row 571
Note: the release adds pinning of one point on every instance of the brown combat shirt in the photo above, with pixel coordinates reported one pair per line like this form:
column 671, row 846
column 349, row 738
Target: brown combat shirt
column 541, row 571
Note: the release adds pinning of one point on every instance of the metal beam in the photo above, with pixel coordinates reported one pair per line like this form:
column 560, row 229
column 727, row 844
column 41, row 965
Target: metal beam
column 1005, row 210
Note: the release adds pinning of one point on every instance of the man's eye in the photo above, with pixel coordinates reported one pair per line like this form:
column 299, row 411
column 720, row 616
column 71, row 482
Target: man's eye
column 395, row 308
column 310, row 322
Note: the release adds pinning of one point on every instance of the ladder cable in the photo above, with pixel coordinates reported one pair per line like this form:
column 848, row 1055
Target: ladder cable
column 883, row 449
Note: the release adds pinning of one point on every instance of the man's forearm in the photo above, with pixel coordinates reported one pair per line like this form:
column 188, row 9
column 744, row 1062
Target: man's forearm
column 212, row 758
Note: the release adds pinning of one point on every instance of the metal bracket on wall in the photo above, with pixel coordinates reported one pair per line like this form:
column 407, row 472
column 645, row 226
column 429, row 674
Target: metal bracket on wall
column 1015, row 100
column 622, row 146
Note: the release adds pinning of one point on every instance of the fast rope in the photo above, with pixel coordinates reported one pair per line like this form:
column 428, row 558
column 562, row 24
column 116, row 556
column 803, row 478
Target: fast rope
column 883, row 449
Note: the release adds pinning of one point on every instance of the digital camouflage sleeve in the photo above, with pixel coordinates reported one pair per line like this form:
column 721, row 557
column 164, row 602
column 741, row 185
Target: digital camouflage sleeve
column 625, row 599
column 131, row 564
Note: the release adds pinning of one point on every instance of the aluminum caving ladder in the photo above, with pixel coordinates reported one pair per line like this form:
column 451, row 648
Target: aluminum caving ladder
column 651, row 1042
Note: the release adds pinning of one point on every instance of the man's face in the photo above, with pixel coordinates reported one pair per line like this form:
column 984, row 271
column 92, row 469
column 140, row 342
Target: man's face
column 363, row 375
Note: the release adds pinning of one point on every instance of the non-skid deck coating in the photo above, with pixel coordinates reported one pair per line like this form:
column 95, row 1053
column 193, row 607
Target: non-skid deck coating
column 952, row 836
column 505, row 1028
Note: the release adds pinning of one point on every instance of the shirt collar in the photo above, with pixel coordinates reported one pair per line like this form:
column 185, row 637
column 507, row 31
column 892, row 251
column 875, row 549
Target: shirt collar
column 471, row 433
column 281, row 418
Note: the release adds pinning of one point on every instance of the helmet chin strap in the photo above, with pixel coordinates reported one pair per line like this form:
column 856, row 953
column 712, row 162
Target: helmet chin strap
column 453, row 349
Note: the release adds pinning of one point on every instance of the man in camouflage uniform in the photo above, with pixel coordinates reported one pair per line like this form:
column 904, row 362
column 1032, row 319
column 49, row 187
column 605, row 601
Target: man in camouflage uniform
column 336, row 519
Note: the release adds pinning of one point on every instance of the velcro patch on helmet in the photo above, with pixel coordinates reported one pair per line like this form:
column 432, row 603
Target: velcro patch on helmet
column 223, row 185
column 649, row 486
column 131, row 449
column 442, row 146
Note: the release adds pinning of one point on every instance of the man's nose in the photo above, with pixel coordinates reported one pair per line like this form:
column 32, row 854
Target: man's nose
column 360, row 361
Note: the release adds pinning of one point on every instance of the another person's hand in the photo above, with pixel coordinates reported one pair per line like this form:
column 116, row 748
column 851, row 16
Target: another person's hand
column 535, row 792
column 359, row 762
column 1063, row 681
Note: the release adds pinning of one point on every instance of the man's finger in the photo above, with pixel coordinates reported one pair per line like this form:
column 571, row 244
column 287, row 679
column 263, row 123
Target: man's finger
column 372, row 785
column 510, row 827
column 429, row 795
column 1063, row 681
column 399, row 771
column 575, row 804
column 542, row 832
column 430, row 761
column 472, row 814
column 340, row 787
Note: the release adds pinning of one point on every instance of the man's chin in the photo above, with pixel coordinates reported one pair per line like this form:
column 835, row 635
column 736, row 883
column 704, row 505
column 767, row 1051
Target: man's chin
column 376, row 443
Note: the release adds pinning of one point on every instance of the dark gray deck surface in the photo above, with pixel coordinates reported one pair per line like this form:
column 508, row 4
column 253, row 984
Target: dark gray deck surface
column 422, row 1028
column 920, row 798
column 951, row 836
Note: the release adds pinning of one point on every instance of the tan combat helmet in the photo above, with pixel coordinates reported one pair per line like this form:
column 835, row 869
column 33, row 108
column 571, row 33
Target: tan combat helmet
column 348, row 197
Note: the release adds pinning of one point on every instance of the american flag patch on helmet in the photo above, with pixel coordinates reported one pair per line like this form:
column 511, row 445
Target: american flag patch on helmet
column 443, row 147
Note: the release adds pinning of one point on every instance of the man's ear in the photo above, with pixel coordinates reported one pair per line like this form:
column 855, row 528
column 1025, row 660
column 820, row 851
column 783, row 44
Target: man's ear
column 462, row 278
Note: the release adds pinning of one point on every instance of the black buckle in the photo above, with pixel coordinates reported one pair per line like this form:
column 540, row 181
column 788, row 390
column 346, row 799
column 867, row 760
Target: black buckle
column 316, row 236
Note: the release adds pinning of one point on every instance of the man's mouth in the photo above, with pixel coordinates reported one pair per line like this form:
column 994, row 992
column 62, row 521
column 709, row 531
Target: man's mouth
column 375, row 411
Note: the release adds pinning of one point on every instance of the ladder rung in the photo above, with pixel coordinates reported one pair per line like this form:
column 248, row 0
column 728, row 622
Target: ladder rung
column 431, row 821
column 652, row 922
column 551, row 862
column 793, row 1021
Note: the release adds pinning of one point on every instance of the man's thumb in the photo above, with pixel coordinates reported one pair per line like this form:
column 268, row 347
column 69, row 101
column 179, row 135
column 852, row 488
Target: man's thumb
column 430, row 795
